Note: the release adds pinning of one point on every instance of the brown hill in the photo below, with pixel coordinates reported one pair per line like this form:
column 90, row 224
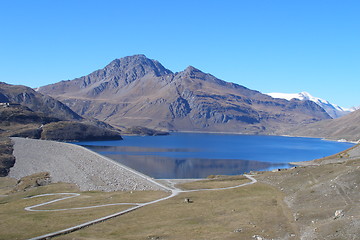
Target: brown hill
column 36, row 101
column 137, row 91
column 346, row 127
column 77, row 131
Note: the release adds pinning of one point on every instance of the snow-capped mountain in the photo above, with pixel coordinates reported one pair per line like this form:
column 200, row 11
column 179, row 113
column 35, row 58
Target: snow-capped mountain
column 354, row 108
column 333, row 110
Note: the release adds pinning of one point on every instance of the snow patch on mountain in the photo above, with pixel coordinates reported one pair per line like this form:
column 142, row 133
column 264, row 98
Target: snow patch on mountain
column 333, row 110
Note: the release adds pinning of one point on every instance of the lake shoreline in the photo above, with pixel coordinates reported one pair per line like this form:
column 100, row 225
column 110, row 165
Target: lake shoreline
column 285, row 135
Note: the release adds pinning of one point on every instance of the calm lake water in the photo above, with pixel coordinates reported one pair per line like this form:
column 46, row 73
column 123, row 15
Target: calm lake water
column 190, row 155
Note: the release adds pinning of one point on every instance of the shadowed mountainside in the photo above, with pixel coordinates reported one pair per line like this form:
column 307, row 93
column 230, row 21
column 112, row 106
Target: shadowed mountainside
column 137, row 91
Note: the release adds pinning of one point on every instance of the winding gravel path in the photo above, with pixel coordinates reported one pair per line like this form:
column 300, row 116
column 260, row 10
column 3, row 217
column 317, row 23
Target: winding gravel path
column 75, row 164
column 174, row 192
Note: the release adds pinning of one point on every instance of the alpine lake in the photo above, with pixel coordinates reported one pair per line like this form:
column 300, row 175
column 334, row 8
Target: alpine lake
column 198, row 155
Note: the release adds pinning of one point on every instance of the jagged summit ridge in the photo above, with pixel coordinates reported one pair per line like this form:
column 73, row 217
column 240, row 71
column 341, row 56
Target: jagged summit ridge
column 118, row 73
column 138, row 65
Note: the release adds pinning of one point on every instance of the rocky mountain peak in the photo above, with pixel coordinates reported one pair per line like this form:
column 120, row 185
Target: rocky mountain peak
column 117, row 74
column 193, row 72
column 191, row 69
column 137, row 66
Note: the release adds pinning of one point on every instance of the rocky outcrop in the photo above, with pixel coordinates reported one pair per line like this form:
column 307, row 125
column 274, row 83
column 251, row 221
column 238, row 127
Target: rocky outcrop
column 32, row 181
column 7, row 160
column 137, row 91
column 143, row 131
column 179, row 108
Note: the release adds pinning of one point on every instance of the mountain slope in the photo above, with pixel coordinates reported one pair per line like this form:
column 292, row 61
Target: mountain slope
column 137, row 91
column 346, row 127
column 333, row 110
column 36, row 101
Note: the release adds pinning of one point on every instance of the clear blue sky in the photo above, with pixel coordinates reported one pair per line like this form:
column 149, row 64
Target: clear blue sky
column 267, row 45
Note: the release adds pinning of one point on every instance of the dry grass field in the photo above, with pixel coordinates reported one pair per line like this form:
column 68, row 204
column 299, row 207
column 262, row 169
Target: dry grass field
column 220, row 214
column 16, row 223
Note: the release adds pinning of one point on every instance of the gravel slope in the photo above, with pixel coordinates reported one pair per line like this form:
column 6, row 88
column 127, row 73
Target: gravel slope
column 75, row 164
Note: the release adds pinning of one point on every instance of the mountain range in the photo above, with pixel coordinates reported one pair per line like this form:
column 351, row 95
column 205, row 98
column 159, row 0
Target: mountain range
column 137, row 91
column 333, row 110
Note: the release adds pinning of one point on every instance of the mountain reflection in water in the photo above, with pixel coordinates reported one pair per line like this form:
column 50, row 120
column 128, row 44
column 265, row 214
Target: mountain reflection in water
column 166, row 167
column 190, row 155
column 155, row 163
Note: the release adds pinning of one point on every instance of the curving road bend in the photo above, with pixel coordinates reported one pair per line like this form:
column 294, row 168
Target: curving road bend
column 174, row 192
